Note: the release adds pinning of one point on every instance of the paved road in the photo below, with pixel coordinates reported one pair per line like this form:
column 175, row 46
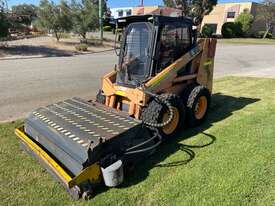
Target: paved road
column 245, row 60
column 31, row 83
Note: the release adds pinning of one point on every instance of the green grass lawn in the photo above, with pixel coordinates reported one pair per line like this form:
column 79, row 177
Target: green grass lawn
column 229, row 160
column 247, row 41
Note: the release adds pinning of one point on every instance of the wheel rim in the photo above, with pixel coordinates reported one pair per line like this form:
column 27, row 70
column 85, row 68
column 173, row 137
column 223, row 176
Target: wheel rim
column 201, row 107
column 171, row 127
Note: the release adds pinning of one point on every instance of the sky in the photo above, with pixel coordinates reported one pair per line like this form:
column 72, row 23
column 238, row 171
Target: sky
column 116, row 3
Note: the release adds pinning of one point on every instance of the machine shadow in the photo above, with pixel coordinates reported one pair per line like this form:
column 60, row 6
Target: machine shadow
column 222, row 107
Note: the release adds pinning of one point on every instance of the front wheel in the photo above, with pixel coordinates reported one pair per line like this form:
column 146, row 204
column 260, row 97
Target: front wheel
column 197, row 105
column 157, row 113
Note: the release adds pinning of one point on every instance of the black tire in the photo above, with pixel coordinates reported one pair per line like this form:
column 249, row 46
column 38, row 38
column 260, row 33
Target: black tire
column 196, row 95
column 156, row 110
column 100, row 97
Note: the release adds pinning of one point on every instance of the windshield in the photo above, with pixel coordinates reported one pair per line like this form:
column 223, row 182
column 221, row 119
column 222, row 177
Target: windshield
column 134, row 61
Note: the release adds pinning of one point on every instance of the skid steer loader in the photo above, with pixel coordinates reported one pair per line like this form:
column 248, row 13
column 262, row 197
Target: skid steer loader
column 163, row 79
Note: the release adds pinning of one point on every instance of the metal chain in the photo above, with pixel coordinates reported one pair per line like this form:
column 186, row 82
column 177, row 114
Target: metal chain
column 171, row 114
column 170, row 109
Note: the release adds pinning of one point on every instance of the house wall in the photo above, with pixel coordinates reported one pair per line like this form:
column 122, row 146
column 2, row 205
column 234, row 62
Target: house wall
column 115, row 12
column 157, row 10
column 145, row 10
column 219, row 15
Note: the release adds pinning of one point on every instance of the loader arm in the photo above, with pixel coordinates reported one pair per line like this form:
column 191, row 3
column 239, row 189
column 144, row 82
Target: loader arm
column 202, row 59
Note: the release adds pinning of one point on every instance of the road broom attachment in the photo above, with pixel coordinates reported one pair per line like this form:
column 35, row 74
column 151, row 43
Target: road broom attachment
column 83, row 143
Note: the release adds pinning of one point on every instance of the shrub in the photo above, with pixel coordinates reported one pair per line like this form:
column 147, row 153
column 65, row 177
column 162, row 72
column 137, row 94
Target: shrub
column 37, row 33
column 245, row 20
column 107, row 28
column 238, row 29
column 261, row 34
column 65, row 36
column 4, row 25
column 207, row 31
column 81, row 47
column 4, row 30
column 228, row 30
column 231, row 30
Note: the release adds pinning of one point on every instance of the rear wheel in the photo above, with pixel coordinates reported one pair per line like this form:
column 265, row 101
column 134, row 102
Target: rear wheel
column 157, row 112
column 197, row 105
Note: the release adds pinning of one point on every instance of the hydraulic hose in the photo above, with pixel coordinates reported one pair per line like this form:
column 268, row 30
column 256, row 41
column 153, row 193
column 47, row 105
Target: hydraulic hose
column 153, row 126
column 141, row 144
column 156, row 135
column 144, row 150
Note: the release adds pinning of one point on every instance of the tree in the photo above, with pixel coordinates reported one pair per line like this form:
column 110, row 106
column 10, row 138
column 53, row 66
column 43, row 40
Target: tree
column 169, row 3
column 207, row 31
column 184, row 5
column 85, row 16
column 266, row 12
column 4, row 23
column 55, row 18
column 4, row 26
column 245, row 20
column 26, row 12
column 3, row 5
column 193, row 8
column 200, row 8
column 105, row 10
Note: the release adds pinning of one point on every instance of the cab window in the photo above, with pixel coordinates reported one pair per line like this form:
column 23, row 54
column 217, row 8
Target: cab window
column 174, row 42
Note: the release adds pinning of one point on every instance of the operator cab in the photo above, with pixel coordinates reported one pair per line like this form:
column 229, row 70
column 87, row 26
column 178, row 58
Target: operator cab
column 149, row 44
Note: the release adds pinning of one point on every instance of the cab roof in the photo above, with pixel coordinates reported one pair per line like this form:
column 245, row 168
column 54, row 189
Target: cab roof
column 155, row 19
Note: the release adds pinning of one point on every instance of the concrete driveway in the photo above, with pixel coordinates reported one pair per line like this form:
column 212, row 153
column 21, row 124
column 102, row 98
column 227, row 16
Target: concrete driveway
column 30, row 83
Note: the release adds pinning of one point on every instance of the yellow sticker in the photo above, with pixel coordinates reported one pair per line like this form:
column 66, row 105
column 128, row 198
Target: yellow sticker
column 207, row 62
column 120, row 93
